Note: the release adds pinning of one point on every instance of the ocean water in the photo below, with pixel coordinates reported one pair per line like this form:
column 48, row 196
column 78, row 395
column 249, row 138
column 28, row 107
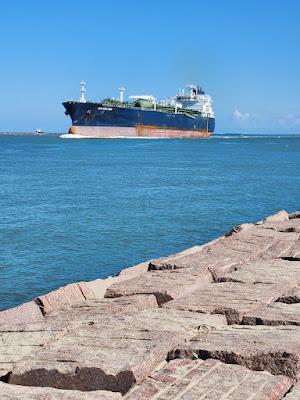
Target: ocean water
column 75, row 210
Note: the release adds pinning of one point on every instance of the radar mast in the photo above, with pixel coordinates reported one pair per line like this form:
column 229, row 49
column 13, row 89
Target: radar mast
column 82, row 92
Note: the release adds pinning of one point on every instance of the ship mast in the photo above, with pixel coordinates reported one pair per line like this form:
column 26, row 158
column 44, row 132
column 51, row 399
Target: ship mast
column 122, row 91
column 82, row 91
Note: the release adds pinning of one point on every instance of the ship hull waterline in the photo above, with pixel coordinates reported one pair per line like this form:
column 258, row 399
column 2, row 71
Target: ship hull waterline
column 139, row 132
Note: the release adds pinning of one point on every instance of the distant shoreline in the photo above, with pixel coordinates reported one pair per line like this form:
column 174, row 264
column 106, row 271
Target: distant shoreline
column 30, row 134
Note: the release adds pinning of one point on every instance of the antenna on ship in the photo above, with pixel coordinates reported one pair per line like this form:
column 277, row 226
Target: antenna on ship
column 82, row 91
column 122, row 92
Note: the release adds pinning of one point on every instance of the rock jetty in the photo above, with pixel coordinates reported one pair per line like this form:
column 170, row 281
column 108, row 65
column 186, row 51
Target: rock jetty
column 219, row 321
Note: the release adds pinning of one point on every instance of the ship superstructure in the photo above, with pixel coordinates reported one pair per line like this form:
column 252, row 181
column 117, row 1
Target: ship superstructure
column 186, row 115
column 196, row 100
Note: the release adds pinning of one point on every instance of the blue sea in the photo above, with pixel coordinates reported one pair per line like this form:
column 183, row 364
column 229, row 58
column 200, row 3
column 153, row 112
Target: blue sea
column 74, row 210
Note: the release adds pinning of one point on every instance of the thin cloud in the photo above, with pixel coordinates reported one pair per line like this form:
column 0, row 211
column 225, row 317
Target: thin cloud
column 289, row 120
column 241, row 116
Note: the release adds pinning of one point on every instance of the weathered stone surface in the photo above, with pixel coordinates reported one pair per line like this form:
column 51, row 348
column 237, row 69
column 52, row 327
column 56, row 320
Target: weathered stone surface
column 74, row 293
column 276, row 250
column 194, row 257
column 19, row 341
column 96, row 289
column 172, row 320
column 232, row 299
column 93, row 311
column 165, row 285
column 131, row 272
column 291, row 297
column 233, row 251
column 291, row 225
column 112, row 353
column 259, row 232
column 111, row 357
column 279, row 216
column 189, row 258
column 293, row 252
column 234, row 243
column 210, row 379
column 245, row 237
column 25, row 313
column 89, row 343
column 223, row 254
column 274, row 349
column 61, row 298
column 232, row 247
column 276, row 314
column 238, row 229
column 294, row 393
column 294, row 215
column 221, row 251
column 268, row 272
column 17, row 392
column 179, row 261
column 90, row 290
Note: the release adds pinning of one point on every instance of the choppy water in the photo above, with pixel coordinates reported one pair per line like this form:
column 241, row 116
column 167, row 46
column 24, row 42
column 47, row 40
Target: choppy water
column 82, row 209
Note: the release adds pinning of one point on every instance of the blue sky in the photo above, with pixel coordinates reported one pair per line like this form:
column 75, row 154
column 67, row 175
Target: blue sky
column 244, row 53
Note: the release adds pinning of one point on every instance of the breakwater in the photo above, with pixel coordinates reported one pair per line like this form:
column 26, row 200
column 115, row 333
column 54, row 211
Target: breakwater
column 218, row 321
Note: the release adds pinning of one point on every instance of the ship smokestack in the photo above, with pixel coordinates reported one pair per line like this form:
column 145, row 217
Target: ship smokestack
column 122, row 92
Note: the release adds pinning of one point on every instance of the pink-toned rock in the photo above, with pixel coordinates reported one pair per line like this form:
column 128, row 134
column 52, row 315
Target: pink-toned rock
column 269, row 348
column 294, row 215
column 97, row 357
column 87, row 290
column 275, row 314
column 293, row 252
column 173, row 320
column 25, row 313
column 262, row 242
column 234, row 300
column 97, row 288
column 195, row 260
column 235, row 244
column 239, row 228
column 265, row 234
column 17, row 392
column 165, row 285
column 231, row 252
column 268, row 272
column 141, row 268
column 278, row 217
column 111, row 353
column 131, row 272
column 89, row 343
column 228, row 253
column 94, row 311
column 291, row 225
column 221, row 251
column 277, row 250
column 207, row 260
column 210, row 379
column 291, row 297
column 294, row 393
column 18, row 341
column 194, row 257
column 61, row 298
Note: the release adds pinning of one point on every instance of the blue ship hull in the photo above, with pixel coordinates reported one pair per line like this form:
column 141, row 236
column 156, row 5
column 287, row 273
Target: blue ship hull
column 100, row 120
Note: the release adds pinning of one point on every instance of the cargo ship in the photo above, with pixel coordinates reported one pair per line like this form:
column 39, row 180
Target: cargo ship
column 189, row 114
